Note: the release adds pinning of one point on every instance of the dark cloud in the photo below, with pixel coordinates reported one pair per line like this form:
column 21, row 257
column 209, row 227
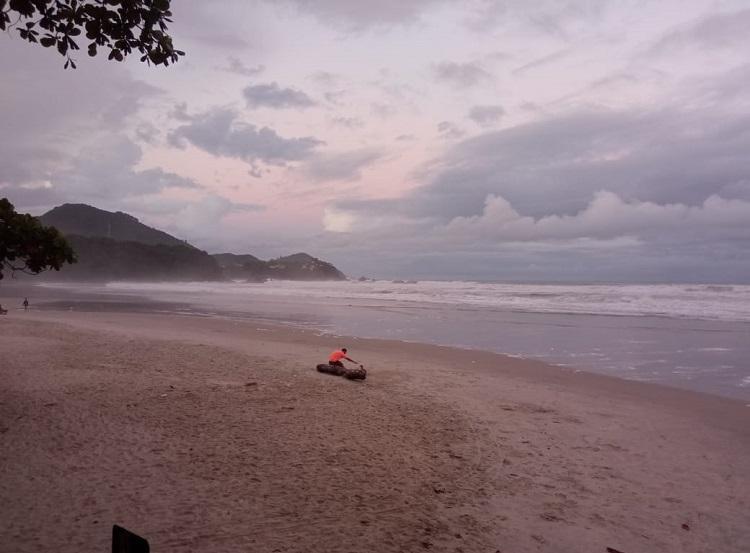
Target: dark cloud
column 48, row 124
column 69, row 142
column 558, row 18
column 342, row 166
column 271, row 95
column 461, row 74
column 101, row 173
column 325, row 78
column 238, row 67
column 666, row 164
column 219, row 132
column 555, row 165
column 361, row 15
column 721, row 30
column 348, row 122
column 486, row 116
column 147, row 132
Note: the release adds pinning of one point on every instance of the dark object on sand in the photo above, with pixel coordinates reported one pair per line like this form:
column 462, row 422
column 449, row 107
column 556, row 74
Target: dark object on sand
column 124, row 541
column 352, row 374
column 613, row 550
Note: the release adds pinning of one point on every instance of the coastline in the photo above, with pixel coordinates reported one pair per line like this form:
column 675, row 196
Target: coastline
column 696, row 354
column 441, row 448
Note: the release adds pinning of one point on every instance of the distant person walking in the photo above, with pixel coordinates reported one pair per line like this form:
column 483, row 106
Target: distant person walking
column 25, row 304
column 336, row 357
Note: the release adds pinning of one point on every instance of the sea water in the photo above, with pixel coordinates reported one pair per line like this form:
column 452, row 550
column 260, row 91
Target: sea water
column 690, row 336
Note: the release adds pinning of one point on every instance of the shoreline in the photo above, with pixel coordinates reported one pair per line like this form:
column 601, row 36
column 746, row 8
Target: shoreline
column 695, row 361
column 509, row 454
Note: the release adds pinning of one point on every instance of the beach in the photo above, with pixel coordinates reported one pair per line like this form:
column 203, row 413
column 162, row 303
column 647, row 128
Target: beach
column 214, row 434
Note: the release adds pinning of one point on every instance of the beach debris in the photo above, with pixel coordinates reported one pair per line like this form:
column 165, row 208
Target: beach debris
column 352, row 374
column 251, row 383
column 125, row 541
column 613, row 550
column 438, row 489
column 685, row 526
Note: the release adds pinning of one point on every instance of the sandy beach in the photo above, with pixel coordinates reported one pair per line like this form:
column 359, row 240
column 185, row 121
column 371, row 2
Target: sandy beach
column 209, row 434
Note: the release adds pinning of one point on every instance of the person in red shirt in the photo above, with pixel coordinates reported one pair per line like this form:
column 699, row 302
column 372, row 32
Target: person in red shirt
column 336, row 357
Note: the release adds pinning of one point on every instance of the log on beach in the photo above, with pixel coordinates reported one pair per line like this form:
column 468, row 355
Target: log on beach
column 352, row 374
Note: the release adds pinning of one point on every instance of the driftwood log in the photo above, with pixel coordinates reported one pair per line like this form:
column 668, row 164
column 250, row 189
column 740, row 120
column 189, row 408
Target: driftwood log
column 352, row 374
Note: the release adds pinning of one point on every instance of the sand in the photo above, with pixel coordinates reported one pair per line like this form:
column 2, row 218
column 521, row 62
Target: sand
column 205, row 434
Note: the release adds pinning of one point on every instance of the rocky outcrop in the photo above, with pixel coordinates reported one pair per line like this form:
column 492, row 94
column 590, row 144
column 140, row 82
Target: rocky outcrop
column 299, row 266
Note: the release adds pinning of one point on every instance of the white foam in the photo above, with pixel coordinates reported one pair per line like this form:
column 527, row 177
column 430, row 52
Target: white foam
column 707, row 302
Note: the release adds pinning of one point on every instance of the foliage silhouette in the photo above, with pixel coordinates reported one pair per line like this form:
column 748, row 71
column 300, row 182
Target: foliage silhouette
column 122, row 26
column 28, row 246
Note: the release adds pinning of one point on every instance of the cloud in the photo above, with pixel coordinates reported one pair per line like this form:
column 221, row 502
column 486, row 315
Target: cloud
column 462, row 75
column 236, row 66
column 384, row 111
column 341, row 166
column 325, row 78
column 607, row 216
column 720, row 30
column 221, row 133
column 610, row 239
column 348, row 122
column 557, row 18
column 107, row 170
column 449, row 130
column 544, row 60
column 102, row 173
column 271, row 95
column 48, row 125
column 486, row 116
column 71, row 141
column 357, row 16
column 553, row 167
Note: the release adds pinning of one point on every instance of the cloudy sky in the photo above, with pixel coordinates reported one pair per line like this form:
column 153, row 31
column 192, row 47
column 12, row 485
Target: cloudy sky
column 537, row 140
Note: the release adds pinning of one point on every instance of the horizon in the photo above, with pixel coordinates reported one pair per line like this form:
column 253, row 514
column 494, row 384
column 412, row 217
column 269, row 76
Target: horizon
column 558, row 143
column 428, row 278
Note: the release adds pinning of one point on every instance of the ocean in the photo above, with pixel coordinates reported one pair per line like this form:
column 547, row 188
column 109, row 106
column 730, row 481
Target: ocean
column 688, row 336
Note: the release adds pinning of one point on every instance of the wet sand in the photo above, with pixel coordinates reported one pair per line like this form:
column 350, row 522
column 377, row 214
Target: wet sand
column 204, row 434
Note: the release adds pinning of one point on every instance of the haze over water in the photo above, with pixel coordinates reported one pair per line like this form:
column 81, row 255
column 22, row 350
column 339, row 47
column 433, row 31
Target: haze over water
column 689, row 336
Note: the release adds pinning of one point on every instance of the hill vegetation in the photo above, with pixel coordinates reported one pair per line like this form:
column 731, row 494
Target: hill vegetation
column 298, row 266
column 85, row 220
column 116, row 246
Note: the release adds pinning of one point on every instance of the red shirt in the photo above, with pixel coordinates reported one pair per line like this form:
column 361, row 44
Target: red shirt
column 337, row 355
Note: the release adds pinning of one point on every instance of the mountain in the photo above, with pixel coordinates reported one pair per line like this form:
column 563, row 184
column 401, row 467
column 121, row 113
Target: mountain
column 242, row 267
column 299, row 266
column 116, row 246
column 85, row 220
column 107, row 259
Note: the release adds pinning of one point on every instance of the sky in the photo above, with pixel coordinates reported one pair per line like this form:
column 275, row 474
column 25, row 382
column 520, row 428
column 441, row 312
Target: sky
column 540, row 140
